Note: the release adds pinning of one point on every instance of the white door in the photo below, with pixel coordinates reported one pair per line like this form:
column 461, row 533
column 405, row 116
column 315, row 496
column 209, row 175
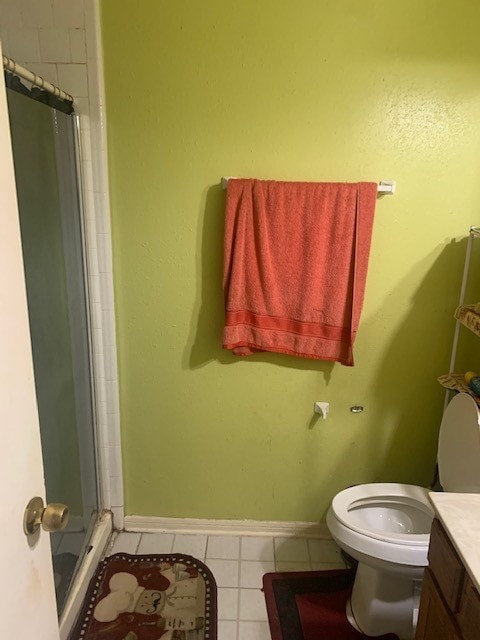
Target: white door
column 27, row 594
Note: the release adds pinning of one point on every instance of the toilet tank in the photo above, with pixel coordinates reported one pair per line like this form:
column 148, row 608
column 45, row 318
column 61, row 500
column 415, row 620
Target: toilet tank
column 459, row 446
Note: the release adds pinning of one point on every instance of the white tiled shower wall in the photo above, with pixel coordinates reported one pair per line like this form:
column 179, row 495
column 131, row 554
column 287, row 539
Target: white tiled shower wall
column 60, row 41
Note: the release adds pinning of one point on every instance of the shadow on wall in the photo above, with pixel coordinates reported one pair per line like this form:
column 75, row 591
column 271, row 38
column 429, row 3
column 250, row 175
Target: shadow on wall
column 395, row 440
column 204, row 345
column 419, row 352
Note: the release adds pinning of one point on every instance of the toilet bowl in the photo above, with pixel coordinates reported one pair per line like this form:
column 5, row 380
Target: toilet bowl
column 386, row 527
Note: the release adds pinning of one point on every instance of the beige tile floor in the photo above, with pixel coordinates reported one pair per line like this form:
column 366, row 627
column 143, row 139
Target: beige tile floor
column 238, row 564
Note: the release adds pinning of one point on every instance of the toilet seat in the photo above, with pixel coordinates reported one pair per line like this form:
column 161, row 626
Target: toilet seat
column 459, row 446
column 415, row 498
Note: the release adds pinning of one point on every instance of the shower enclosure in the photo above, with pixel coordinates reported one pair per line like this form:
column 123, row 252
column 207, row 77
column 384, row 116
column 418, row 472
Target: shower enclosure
column 44, row 141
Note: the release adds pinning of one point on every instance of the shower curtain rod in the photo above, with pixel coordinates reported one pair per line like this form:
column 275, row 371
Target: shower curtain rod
column 384, row 186
column 38, row 81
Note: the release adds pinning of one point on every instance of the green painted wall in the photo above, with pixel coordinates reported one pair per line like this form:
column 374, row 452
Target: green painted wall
column 331, row 90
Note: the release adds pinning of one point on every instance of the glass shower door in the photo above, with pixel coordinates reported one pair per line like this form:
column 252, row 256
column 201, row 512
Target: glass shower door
column 43, row 141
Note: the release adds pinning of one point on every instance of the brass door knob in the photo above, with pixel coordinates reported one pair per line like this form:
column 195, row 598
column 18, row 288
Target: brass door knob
column 53, row 517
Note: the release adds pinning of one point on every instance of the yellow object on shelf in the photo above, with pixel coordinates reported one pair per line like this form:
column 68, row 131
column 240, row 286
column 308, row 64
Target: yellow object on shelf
column 473, row 381
column 469, row 375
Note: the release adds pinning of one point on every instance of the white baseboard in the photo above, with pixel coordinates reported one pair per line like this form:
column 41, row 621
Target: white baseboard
column 98, row 542
column 151, row 524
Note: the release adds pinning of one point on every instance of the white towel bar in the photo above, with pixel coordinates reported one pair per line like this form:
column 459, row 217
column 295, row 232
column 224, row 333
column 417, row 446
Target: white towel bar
column 384, row 186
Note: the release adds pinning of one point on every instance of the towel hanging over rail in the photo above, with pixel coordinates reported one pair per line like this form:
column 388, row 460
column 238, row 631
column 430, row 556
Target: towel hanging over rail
column 295, row 266
column 384, row 186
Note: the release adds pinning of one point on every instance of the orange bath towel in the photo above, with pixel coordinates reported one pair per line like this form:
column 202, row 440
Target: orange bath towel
column 295, row 266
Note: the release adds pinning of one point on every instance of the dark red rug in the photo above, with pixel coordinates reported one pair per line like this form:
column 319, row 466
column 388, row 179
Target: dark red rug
column 148, row 597
column 310, row 605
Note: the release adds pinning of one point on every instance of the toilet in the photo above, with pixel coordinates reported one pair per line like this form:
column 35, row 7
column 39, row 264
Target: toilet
column 386, row 527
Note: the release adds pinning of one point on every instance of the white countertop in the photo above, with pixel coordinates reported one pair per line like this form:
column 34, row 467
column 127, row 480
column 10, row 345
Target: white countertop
column 460, row 515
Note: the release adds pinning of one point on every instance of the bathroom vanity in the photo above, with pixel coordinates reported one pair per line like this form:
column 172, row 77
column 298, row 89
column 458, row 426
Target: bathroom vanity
column 450, row 599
